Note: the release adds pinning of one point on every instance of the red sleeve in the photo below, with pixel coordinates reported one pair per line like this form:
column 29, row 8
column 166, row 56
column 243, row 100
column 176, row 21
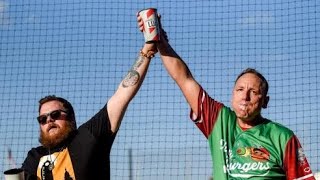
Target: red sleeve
column 208, row 110
column 295, row 162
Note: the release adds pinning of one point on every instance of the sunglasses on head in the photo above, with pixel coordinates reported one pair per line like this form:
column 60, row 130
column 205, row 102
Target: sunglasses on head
column 56, row 114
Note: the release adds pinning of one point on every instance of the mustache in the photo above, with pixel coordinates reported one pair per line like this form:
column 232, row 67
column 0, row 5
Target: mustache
column 52, row 125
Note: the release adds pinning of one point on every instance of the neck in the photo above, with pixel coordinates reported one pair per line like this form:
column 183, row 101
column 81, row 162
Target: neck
column 246, row 124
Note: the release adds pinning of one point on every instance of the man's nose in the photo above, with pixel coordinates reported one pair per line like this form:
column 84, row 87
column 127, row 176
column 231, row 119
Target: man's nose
column 246, row 95
column 49, row 119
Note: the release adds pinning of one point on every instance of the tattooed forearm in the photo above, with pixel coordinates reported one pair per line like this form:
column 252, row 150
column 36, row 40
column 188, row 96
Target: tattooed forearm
column 133, row 77
column 138, row 62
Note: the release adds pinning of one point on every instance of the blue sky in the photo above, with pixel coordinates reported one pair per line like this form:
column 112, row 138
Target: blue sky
column 80, row 50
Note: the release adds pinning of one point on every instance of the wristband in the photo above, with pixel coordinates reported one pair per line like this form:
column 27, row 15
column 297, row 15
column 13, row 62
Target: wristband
column 149, row 54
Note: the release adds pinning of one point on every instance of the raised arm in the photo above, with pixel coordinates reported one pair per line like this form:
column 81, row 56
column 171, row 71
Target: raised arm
column 177, row 69
column 129, row 86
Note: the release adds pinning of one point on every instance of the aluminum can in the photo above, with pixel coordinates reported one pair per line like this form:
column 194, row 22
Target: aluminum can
column 151, row 29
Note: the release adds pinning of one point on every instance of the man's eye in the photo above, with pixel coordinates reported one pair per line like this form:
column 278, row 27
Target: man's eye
column 255, row 92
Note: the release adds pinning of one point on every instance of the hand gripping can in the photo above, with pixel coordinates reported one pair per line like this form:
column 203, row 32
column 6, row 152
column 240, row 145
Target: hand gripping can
column 151, row 30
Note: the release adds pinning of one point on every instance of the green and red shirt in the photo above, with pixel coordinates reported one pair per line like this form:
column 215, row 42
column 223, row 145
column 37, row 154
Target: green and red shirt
column 266, row 151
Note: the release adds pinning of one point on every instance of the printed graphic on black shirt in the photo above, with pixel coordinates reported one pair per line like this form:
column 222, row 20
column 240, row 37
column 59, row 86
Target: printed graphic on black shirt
column 56, row 166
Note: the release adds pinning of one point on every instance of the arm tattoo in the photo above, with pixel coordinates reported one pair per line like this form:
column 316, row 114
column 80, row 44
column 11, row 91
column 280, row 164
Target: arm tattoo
column 133, row 77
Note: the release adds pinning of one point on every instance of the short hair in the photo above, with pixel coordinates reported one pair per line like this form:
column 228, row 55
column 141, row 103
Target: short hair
column 264, row 83
column 66, row 104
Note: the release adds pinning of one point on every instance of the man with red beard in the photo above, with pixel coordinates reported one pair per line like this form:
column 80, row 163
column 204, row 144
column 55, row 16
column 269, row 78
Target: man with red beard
column 68, row 152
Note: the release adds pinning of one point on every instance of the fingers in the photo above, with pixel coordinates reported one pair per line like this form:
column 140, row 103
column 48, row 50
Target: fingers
column 140, row 22
column 149, row 50
column 159, row 20
column 162, row 32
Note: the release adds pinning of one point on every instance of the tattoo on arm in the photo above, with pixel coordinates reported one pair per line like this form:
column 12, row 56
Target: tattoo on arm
column 133, row 77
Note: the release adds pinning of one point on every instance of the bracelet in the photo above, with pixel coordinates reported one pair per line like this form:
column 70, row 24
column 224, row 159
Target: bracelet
column 148, row 55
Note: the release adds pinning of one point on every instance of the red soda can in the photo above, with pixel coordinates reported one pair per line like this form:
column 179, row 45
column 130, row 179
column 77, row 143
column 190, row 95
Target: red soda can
column 151, row 30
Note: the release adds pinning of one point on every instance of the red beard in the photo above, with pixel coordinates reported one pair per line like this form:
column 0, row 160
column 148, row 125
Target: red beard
column 52, row 141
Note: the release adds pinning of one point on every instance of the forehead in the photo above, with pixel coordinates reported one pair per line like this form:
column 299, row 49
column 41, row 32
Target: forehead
column 50, row 106
column 249, row 79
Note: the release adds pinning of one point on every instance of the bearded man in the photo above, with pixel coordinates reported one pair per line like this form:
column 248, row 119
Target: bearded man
column 68, row 152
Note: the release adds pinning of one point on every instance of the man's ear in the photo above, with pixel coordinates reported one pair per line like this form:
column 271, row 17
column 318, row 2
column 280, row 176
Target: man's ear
column 265, row 102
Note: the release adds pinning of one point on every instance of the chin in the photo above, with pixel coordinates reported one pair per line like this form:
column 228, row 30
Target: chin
column 242, row 116
column 51, row 140
column 53, row 135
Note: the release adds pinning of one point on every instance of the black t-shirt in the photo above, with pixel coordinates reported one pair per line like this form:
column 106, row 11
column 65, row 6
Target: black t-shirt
column 88, row 147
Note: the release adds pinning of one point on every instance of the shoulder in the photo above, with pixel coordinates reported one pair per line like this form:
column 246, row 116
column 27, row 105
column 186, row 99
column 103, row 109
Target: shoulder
column 40, row 150
column 227, row 112
column 32, row 159
column 277, row 130
column 101, row 118
column 280, row 127
column 99, row 125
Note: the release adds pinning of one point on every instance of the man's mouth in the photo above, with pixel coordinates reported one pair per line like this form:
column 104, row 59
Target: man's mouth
column 52, row 127
column 243, row 107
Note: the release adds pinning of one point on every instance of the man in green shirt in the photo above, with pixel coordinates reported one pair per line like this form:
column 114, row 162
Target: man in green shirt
column 243, row 144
